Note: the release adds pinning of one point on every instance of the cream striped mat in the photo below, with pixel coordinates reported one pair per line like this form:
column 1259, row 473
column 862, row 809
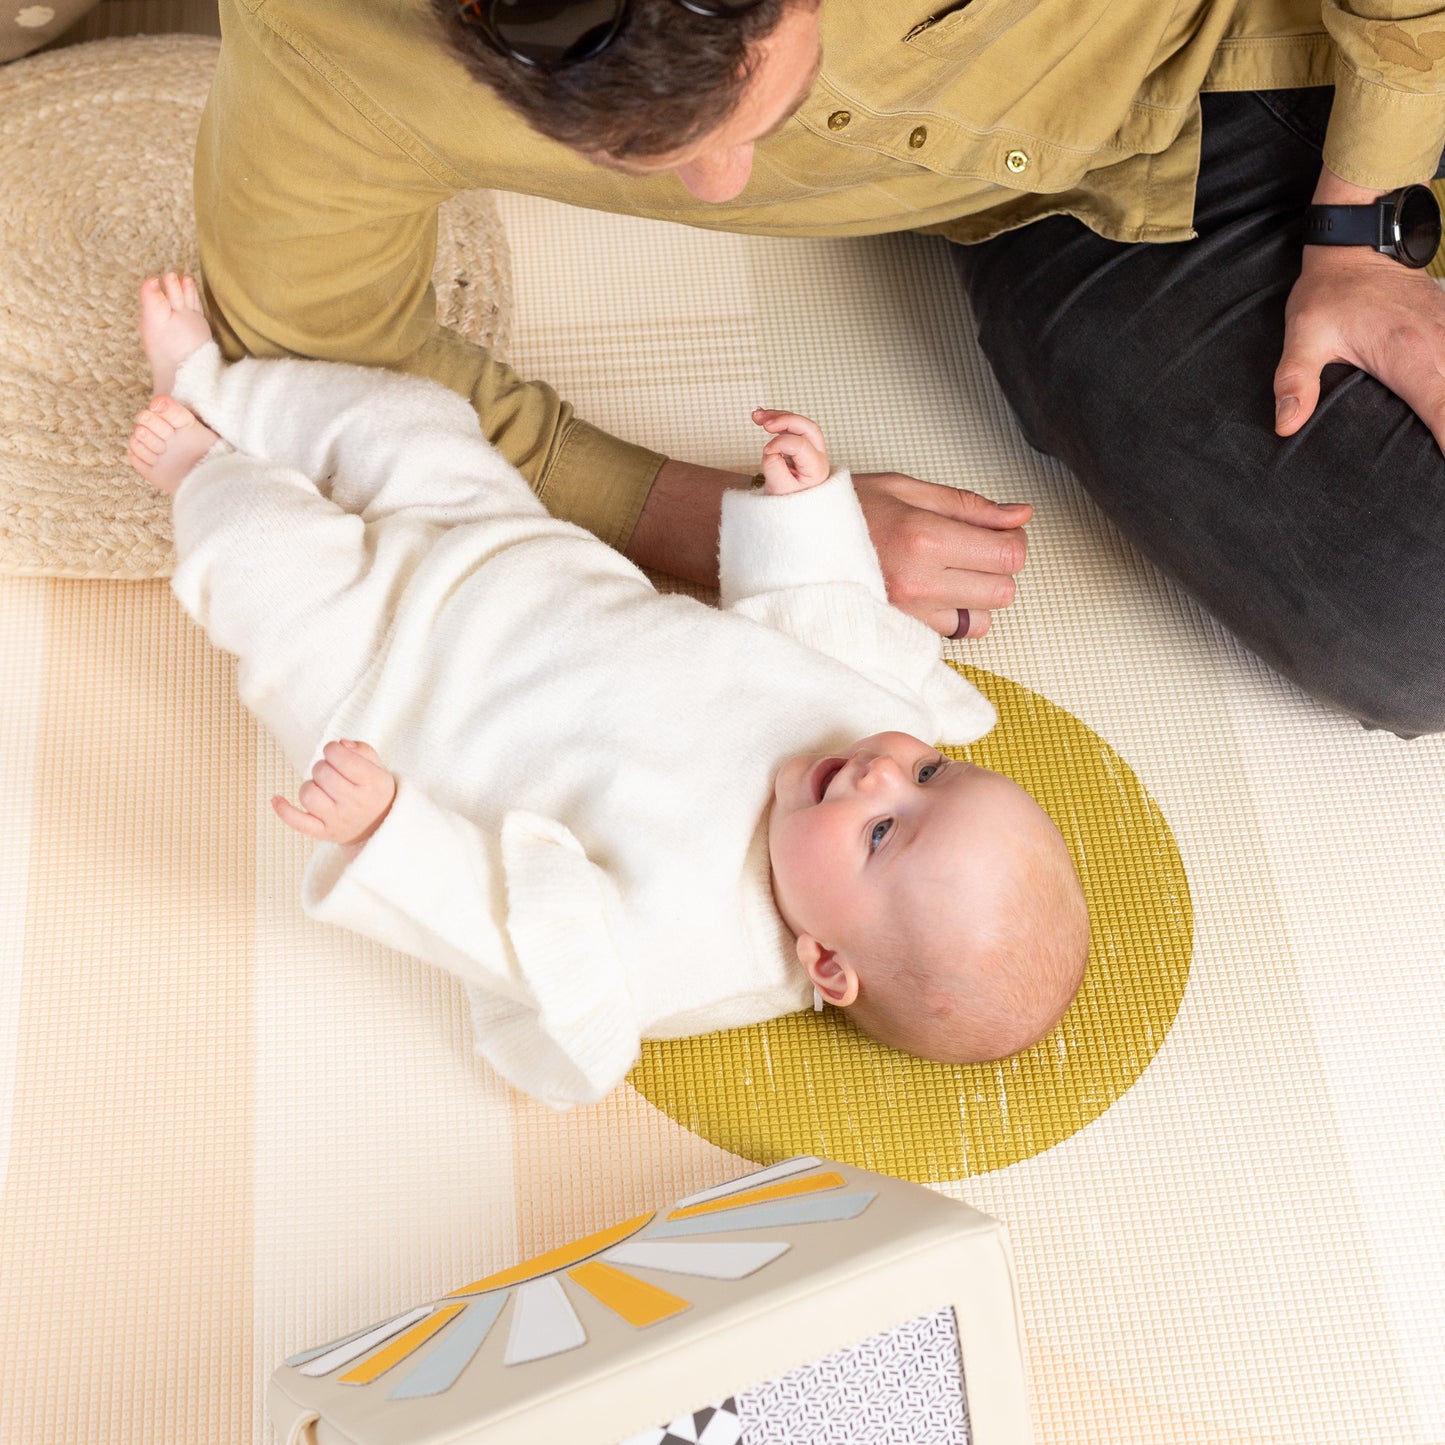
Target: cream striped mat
column 227, row 1134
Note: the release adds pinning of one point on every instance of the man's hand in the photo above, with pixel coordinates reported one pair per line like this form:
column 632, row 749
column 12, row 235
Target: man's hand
column 345, row 799
column 1354, row 305
column 944, row 551
column 796, row 459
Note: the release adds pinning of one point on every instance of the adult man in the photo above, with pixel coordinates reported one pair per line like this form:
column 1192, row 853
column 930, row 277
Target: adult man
column 1058, row 133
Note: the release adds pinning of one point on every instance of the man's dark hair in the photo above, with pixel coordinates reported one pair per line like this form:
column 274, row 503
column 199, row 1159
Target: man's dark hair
column 668, row 78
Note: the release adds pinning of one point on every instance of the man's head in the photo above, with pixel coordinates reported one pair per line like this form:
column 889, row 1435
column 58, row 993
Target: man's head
column 674, row 91
column 932, row 898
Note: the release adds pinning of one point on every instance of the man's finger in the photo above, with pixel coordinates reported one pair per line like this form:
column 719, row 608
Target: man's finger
column 1000, row 516
column 294, row 817
column 985, row 591
column 945, row 622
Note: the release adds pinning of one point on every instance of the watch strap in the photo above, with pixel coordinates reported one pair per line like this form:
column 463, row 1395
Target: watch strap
column 1344, row 225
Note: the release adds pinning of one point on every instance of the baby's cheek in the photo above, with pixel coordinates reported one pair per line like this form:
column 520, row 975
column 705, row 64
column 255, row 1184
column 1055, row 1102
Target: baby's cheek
column 793, row 865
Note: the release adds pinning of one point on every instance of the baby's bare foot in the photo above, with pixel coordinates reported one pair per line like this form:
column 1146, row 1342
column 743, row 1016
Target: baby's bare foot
column 172, row 325
column 167, row 442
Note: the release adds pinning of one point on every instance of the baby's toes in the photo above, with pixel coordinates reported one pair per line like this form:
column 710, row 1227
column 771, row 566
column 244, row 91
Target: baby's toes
column 175, row 292
column 153, row 303
column 152, row 432
column 172, row 413
column 143, row 461
column 191, row 292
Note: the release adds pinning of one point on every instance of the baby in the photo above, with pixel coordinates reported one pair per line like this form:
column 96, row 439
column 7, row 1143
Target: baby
column 613, row 814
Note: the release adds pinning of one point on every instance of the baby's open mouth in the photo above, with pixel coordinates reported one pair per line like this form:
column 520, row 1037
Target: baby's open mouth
column 822, row 775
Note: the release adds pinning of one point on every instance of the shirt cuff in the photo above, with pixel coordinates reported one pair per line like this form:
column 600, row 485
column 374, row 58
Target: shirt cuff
column 1380, row 137
column 599, row 482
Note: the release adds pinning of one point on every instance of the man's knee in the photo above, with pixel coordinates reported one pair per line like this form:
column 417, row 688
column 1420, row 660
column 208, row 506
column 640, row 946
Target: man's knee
column 1389, row 676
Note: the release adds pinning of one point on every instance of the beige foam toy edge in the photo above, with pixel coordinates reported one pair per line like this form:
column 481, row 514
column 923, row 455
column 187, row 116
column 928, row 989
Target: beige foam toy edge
column 605, row 1336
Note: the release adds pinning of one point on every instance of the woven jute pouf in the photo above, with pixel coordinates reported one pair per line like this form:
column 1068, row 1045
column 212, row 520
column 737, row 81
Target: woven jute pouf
column 95, row 173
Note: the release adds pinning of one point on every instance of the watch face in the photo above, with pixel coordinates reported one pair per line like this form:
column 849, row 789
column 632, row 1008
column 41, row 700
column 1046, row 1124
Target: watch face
column 1417, row 226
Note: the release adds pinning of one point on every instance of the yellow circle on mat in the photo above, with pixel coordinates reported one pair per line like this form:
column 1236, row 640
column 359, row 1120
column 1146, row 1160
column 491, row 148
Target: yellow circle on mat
column 812, row 1084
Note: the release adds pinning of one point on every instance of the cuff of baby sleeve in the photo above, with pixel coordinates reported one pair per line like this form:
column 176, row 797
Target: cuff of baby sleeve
column 799, row 539
column 197, row 378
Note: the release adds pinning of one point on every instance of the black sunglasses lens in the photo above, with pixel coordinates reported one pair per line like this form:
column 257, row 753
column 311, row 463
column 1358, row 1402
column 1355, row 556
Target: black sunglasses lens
column 720, row 9
column 554, row 32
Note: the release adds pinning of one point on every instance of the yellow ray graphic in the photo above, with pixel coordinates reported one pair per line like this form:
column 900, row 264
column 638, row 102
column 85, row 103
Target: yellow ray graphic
column 544, row 1320
column 638, row 1302
column 809, row 1184
column 555, row 1259
column 400, row 1347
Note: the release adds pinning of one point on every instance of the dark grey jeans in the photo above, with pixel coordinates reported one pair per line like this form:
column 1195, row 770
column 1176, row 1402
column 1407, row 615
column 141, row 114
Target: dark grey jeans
column 1148, row 370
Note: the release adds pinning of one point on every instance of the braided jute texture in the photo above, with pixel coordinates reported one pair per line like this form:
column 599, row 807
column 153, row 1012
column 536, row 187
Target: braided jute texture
column 95, row 173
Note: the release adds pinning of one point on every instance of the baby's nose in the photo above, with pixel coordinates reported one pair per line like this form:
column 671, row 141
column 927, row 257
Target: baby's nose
column 876, row 768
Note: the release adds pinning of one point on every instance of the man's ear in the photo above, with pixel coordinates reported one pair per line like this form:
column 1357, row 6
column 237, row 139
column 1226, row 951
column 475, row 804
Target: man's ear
column 835, row 979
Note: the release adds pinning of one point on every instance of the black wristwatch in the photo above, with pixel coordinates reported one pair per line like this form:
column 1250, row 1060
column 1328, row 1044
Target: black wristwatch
column 1404, row 224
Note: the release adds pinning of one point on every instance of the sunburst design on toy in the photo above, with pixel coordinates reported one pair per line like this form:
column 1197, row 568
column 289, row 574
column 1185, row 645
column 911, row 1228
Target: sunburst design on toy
column 543, row 1320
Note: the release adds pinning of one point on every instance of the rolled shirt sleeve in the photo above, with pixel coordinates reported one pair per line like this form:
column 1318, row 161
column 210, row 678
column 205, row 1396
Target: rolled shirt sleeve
column 1387, row 126
column 316, row 215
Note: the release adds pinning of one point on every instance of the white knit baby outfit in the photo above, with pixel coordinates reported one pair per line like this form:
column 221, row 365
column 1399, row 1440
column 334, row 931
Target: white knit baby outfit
column 584, row 765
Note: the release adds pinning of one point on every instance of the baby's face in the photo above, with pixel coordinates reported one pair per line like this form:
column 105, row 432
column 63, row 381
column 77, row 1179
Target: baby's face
column 887, row 824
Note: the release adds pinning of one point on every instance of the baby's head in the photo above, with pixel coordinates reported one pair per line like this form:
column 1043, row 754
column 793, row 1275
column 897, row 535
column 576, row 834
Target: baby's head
column 933, row 899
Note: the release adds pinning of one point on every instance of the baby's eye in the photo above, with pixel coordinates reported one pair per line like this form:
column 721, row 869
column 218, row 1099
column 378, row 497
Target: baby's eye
column 880, row 831
column 928, row 770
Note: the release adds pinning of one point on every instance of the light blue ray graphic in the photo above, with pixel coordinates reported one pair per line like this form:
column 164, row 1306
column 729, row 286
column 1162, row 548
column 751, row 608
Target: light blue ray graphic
column 543, row 1322
column 356, row 1345
column 816, row 1209
column 712, row 1260
column 460, row 1340
column 306, row 1355
column 755, row 1180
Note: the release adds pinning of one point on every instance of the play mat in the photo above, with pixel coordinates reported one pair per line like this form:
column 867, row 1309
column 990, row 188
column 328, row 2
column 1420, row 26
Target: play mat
column 228, row 1134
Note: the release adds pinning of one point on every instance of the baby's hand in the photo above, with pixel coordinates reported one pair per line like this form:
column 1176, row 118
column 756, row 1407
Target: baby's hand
column 796, row 458
column 345, row 799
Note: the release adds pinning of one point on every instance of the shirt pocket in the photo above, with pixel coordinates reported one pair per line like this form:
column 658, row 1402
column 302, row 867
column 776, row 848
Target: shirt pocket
column 964, row 31
column 1021, row 94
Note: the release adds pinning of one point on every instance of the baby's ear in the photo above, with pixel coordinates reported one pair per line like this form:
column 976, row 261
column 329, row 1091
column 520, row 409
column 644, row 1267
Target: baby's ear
column 834, row 979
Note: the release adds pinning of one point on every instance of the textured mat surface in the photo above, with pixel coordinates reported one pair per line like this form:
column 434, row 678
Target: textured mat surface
column 95, row 167
column 227, row 1134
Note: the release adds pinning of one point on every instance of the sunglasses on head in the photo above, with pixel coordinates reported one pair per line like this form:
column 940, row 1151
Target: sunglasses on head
column 552, row 34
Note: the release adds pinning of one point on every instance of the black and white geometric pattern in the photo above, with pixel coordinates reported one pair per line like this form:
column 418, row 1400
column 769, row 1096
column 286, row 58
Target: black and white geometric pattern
column 716, row 1425
column 902, row 1387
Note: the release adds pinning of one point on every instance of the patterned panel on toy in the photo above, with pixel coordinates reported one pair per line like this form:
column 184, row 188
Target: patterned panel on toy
column 716, row 1425
column 901, row 1387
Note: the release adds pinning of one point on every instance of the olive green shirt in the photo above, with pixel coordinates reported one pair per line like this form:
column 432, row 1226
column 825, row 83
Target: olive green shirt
column 335, row 128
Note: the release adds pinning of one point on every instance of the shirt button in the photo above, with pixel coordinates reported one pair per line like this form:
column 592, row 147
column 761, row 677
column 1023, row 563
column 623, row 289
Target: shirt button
column 839, row 119
column 1017, row 161
column 919, row 135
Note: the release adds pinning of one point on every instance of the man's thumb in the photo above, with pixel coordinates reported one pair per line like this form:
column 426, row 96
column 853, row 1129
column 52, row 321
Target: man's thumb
column 1296, row 388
